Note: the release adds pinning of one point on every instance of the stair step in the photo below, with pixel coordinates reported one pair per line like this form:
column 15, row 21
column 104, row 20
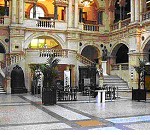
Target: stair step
column 116, row 81
column 3, row 92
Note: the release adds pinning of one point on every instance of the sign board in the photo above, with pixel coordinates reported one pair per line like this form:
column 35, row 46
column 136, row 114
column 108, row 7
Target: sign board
column 66, row 78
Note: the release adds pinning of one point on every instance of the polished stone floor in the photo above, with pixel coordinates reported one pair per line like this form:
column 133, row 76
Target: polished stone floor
column 26, row 112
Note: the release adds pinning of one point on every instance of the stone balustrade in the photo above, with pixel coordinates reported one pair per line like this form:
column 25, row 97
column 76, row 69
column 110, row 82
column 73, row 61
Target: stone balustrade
column 90, row 27
column 84, row 60
column 120, row 24
column 121, row 66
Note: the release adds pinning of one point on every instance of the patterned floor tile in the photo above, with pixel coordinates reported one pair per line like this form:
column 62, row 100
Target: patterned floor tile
column 90, row 123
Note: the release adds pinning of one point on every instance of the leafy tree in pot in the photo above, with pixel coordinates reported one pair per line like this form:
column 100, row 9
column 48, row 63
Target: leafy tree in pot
column 140, row 69
column 50, row 72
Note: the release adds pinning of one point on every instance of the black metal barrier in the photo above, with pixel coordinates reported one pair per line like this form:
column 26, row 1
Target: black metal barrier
column 111, row 92
column 67, row 94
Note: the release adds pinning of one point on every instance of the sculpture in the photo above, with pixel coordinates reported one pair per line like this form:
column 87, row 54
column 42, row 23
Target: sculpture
column 104, row 54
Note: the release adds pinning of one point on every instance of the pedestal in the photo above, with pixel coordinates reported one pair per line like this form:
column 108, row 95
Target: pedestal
column 8, row 88
column 104, row 67
column 101, row 96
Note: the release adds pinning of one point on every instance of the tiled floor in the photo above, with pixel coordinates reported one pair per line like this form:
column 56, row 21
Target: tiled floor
column 25, row 112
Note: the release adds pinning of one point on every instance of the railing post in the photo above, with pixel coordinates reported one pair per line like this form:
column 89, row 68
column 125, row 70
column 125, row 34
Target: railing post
column 120, row 22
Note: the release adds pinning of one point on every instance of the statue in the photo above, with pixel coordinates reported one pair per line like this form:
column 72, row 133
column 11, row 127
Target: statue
column 100, row 77
column 104, row 54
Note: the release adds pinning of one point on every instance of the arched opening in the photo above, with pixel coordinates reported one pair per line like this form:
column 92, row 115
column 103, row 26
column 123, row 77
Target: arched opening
column 2, row 52
column 91, row 53
column 122, row 10
column 39, row 12
column 2, row 49
column 122, row 54
column 4, row 7
column 44, row 10
column 44, row 42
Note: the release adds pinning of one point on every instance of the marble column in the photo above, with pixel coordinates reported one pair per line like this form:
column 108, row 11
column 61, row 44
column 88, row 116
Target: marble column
column 80, row 15
column 21, row 11
column 14, row 11
column 141, row 8
column 55, row 13
column 5, row 8
column 76, row 14
column 70, row 13
column 132, row 4
column 10, row 9
column 34, row 10
column 100, row 17
column 120, row 12
column 137, row 10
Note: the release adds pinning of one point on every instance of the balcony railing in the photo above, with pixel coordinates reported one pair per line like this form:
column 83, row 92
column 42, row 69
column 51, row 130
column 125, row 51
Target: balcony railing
column 45, row 23
column 54, row 52
column 120, row 24
column 121, row 66
column 146, row 16
column 90, row 27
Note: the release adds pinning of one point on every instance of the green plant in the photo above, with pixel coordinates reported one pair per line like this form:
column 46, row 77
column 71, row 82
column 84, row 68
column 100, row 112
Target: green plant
column 50, row 72
column 140, row 69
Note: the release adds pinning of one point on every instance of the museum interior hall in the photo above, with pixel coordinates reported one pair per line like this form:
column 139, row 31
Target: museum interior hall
column 74, row 64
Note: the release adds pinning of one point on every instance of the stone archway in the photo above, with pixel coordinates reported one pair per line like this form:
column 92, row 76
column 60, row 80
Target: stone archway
column 91, row 52
column 44, row 42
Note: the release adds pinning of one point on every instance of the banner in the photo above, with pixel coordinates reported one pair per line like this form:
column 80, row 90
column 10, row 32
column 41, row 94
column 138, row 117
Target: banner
column 66, row 78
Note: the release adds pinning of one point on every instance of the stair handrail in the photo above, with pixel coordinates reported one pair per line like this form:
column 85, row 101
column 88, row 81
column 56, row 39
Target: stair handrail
column 46, row 52
column 84, row 60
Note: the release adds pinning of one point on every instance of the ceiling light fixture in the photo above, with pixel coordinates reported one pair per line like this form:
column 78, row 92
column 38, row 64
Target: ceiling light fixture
column 86, row 3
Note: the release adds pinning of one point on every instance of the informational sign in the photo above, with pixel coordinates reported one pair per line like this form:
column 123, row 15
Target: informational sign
column 66, row 78
column 86, row 81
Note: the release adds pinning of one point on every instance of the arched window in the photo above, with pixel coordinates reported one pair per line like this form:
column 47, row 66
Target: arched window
column 39, row 12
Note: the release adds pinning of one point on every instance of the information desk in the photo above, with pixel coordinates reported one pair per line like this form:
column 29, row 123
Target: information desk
column 100, row 96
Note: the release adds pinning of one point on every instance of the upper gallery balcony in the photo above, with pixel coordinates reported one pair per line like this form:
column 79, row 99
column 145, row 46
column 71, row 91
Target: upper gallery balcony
column 120, row 24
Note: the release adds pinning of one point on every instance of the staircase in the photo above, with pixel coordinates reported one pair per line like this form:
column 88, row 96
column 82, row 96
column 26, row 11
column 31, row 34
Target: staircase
column 116, row 81
column 2, row 90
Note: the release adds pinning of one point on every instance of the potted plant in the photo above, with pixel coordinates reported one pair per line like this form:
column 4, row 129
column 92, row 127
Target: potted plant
column 50, row 74
column 49, row 88
column 139, row 94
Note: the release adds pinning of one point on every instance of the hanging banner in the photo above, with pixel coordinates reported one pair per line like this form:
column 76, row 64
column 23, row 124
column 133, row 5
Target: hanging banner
column 66, row 78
